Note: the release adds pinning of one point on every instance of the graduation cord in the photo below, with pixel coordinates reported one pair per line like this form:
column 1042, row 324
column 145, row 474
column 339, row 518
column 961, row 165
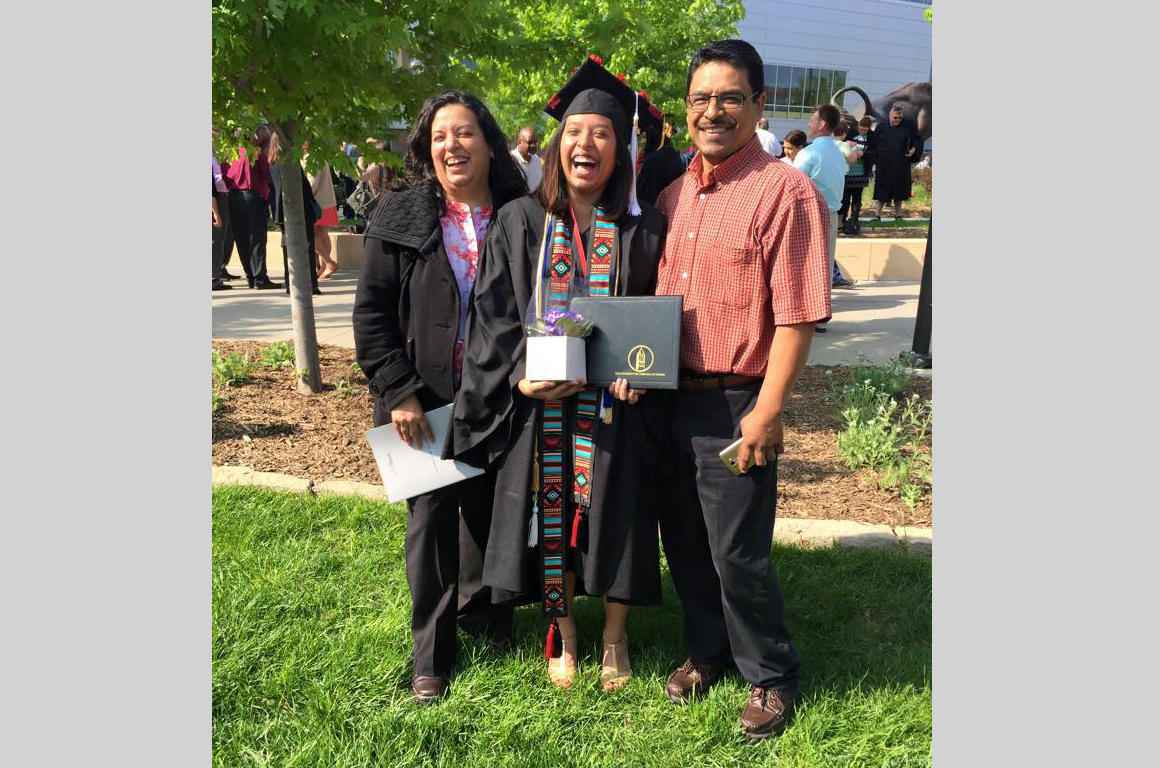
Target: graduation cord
column 554, row 455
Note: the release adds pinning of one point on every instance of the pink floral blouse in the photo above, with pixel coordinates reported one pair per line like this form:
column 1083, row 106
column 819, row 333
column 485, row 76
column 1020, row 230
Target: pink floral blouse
column 464, row 231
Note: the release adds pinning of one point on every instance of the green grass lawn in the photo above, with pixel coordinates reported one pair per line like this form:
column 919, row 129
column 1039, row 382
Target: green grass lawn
column 311, row 660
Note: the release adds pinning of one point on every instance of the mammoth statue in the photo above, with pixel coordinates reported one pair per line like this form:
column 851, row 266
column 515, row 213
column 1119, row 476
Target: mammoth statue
column 914, row 98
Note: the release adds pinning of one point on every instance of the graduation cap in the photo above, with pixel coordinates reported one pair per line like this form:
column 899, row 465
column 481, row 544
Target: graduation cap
column 592, row 89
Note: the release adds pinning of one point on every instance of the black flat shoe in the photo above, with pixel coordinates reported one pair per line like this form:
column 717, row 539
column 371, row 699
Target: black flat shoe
column 227, row 276
column 267, row 286
column 218, row 285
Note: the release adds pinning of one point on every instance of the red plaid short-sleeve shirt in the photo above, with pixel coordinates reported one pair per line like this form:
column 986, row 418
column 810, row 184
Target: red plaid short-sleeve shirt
column 748, row 252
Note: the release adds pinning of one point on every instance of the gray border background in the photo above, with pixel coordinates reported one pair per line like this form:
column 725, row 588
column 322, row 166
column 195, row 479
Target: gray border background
column 1042, row 571
column 106, row 536
column 1044, row 577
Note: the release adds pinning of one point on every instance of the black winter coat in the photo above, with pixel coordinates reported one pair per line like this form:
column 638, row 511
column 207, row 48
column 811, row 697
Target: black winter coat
column 406, row 309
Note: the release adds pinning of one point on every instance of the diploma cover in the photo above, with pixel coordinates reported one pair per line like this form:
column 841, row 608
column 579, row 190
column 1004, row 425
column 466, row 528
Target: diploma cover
column 637, row 338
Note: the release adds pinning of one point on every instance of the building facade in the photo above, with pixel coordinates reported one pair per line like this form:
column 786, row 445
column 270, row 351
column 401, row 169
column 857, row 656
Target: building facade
column 812, row 48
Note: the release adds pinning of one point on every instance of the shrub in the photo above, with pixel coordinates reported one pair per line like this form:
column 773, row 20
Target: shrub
column 873, row 442
column 891, row 441
column 280, row 354
column 891, row 378
column 231, row 370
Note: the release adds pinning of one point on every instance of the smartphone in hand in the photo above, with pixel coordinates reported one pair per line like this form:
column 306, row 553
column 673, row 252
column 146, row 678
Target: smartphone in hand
column 729, row 456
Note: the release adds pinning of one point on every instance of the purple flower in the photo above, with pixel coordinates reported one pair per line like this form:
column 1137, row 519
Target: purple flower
column 559, row 322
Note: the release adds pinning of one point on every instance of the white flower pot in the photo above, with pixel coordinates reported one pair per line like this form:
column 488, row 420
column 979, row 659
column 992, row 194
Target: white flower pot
column 555, row 358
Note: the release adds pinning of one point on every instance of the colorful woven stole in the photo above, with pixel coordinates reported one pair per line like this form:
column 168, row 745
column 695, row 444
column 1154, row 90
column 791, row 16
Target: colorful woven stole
column 560, row 272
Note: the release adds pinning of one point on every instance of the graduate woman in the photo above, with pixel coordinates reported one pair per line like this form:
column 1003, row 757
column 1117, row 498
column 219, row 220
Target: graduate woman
column 568, row 481
column 423, row 247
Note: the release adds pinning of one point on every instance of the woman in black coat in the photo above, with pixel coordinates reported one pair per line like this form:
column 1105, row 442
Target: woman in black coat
column 592, row 535
column 422, row 247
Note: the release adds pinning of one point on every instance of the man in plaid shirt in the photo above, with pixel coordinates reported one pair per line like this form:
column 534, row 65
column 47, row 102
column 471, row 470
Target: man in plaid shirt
column 746, row 248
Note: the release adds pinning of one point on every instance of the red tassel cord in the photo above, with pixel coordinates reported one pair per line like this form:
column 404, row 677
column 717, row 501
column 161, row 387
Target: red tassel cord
column 575, row 530
column 550, row 643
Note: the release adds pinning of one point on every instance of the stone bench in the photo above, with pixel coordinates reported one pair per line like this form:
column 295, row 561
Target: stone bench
column 886, row 258
column 344, row 246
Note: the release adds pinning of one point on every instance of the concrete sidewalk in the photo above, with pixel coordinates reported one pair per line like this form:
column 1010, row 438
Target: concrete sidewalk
column 874, row 321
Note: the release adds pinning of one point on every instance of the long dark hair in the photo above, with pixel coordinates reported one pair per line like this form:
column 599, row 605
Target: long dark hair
column 796, row 138
column 553, row 191
column 504, row 178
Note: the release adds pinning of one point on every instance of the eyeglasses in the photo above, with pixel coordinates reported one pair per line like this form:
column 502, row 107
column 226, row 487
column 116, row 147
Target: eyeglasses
column 730, row 102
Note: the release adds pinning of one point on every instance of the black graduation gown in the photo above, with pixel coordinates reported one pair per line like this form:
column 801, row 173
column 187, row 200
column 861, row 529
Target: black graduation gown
column 618, row 553
column 659, row 170
column 895, row 149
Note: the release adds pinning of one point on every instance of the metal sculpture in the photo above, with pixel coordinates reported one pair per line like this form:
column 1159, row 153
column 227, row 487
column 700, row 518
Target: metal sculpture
column 914, row 98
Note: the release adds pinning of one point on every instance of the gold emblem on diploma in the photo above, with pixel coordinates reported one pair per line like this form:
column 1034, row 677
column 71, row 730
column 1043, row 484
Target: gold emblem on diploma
column 640, row 358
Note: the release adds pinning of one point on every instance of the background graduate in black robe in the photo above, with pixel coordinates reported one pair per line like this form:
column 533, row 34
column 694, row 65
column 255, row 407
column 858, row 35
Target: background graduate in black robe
column 588, row 177
column 894, row 147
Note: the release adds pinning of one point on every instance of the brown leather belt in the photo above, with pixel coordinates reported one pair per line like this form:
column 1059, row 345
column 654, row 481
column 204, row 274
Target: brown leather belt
column 701, row 382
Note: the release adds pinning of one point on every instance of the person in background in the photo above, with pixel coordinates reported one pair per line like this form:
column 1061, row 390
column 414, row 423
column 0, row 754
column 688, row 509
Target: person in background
column 249, row 208
column 527, row 144
column 768, row 140
column 424, row 245
column 896, row 147
column 322, row 187
column 826, row 166
column 857, row 176
column 793, row 143
column 862, row 139
column 310, row 213
column 217, row 227
column 222, row 195
column 662, row 164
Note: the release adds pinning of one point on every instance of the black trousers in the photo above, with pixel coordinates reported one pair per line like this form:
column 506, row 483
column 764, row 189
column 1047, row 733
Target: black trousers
column 222, row 239
column 249, row 216
column 446, row 538
column 851, row 202
column 717, row 530
column 224, row 235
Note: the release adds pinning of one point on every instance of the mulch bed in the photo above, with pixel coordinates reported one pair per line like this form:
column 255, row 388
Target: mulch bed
column 266, row 425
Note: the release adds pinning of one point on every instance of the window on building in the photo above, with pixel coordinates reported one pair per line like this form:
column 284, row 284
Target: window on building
column 824, row 86
column 793, row 92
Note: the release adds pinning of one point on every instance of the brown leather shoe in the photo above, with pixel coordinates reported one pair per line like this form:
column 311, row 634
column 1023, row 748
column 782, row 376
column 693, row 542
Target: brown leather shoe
column 767, row 712
column 426, row 689
column 690, row 680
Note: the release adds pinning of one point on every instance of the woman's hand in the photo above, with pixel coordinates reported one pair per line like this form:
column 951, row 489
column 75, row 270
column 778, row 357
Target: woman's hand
column 410, row 422
column 621, row 391
column 549, row 390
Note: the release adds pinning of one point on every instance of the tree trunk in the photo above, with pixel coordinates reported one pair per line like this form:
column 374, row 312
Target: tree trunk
column 300, row 262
